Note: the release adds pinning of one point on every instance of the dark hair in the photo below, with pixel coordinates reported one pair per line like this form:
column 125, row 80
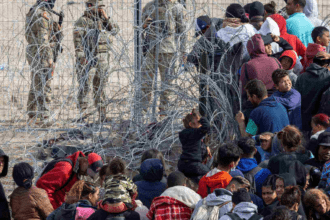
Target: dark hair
column 23, row 175
column 241, row 195
column 153, row 154
column 270, row 181
column 117, row 166
column 227, row 153
column 236, row 11
column 270, row 8
column 319, row 61
column 321, row 119
column 291, row 196
column 103, row 170
column 302, row 3
column 256, row 87
column 290, row 137
column 176, row 178
column 79, row 190
column 278, row 75
column 189, row 118
column 318, row 32
column 248, row 145
column 238, row 181
column 310, row 198
column 280, row 213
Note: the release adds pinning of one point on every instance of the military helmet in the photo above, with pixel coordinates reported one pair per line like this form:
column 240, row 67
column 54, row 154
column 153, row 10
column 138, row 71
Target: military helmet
column 94, row 2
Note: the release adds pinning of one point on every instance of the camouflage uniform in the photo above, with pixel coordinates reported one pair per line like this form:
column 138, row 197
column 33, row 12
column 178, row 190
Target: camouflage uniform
column 119, row 188
column 92, row 40
column 40, row 30
column 171, row 36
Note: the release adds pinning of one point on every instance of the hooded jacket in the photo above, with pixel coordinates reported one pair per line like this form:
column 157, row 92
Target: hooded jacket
column 270, row 116
column 315, row 162
column 312, row 13
column 152, row 173
column 311, row 86
column 4, row 208
column 58, row 176
column 311, row 52
column 260, row 66
column 292, row 75
column 68, row 211
column 214, row 179
column 293, row 40
column 244, row 210
column 291, row 100
column 299, row 25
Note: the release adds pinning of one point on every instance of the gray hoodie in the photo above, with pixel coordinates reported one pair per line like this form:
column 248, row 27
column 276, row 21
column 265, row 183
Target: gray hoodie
column 244, row 210
column 312, row 13
column 213, row 200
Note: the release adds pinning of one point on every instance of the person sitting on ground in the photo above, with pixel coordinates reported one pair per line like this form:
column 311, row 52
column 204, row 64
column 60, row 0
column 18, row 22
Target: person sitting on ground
column 322, row 151
column 291, row 199
column 28, row 201
column 269, row 195
column 176, row 197
column 151, row 185
column 248, row 164
column 280, row 213
column 317, row 205
column 319, row 124
column 66, row 172
column 220, row 199
column 149, row 154
column 80, row 202
column 292, row 140
column 256, row 14
column 4, row 208
column 287, row 96
column 288, row 61
column 190, row 163
column 311, row 86
column 321, row 40
column 270, row 9
column 269, row 115
column 243, row 207
column 219, row 177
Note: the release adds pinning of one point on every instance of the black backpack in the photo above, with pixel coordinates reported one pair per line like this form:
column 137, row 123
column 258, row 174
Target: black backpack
column 234, row 216
column 250, row 177
column 113, row 216
column 52, row 164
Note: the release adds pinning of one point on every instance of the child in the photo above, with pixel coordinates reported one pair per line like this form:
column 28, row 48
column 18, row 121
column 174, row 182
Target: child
column 288, row 97
column 320, row 37
column 288, row 61
column 190, row 163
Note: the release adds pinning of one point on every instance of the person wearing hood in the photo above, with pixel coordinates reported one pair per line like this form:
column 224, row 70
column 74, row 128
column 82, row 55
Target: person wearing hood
column 269, row 195
column 321, row 40
column 176, row 197
column 322, row 154
column 64, row 174
column 269, row 115
column 80, row 202
column 4, row 208
column 298, row 24
column 287, row 96
column 248, row 163
column 28, row 202
column 288, row 61
column 311, row 86
column 291, row 198
column 256, row 14
column 312, row 12
column 243, row 207
column 219, row 177
column 151, row 185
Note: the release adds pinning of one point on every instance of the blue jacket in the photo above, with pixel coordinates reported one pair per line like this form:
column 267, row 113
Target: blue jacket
column 299, row 25
column 269, row 116
column 247, row 164
column 292, row 102
column 151, row 186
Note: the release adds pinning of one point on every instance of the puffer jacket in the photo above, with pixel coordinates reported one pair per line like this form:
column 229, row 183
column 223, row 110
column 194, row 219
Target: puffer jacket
column 244, row 210
column 36, row 204
column 4, row 209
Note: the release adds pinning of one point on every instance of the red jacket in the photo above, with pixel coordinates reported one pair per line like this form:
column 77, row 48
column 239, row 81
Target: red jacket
column 295, row 42
column 311, row 52
column 57, row 177
column 165, row 208
column 292, row 54
column 218, row 180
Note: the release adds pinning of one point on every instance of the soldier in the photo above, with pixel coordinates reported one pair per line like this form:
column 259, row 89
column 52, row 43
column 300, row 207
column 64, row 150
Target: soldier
column 168, row 32
column 92, row 40
column 40, row 33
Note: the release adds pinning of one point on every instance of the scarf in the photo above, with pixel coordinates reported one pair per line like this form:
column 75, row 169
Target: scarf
column 232, row 22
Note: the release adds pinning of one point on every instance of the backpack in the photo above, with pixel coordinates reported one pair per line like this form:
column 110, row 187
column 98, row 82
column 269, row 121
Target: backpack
column 250, row 177
column 52, row 164
column 234, row 216
column 208, row 212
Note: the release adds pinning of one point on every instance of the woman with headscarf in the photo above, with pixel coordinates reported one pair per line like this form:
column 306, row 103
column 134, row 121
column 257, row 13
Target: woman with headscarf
column 36, row 203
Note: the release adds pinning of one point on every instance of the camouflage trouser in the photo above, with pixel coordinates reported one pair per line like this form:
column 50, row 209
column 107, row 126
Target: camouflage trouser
column 166, row 65
column 98, row 75
column 40, row 91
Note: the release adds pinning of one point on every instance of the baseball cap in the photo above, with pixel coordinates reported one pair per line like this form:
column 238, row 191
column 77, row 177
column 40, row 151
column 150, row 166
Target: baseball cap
column 201, row 23
column 324, row 139
column 95, row 164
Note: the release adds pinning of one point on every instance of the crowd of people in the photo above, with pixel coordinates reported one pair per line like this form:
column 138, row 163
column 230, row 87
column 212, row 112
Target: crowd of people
column 278, row 169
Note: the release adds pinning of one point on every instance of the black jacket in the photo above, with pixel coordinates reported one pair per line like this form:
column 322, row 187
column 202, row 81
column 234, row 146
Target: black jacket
column 311, row 85
column 102, row 215
column 325, row 102
column 284, row 45
column 4, row 208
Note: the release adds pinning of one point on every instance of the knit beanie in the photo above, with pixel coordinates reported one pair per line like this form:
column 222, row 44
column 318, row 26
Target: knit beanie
column 257, row 11
column 236, row 11
column 23, row 175
column 241, row 195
